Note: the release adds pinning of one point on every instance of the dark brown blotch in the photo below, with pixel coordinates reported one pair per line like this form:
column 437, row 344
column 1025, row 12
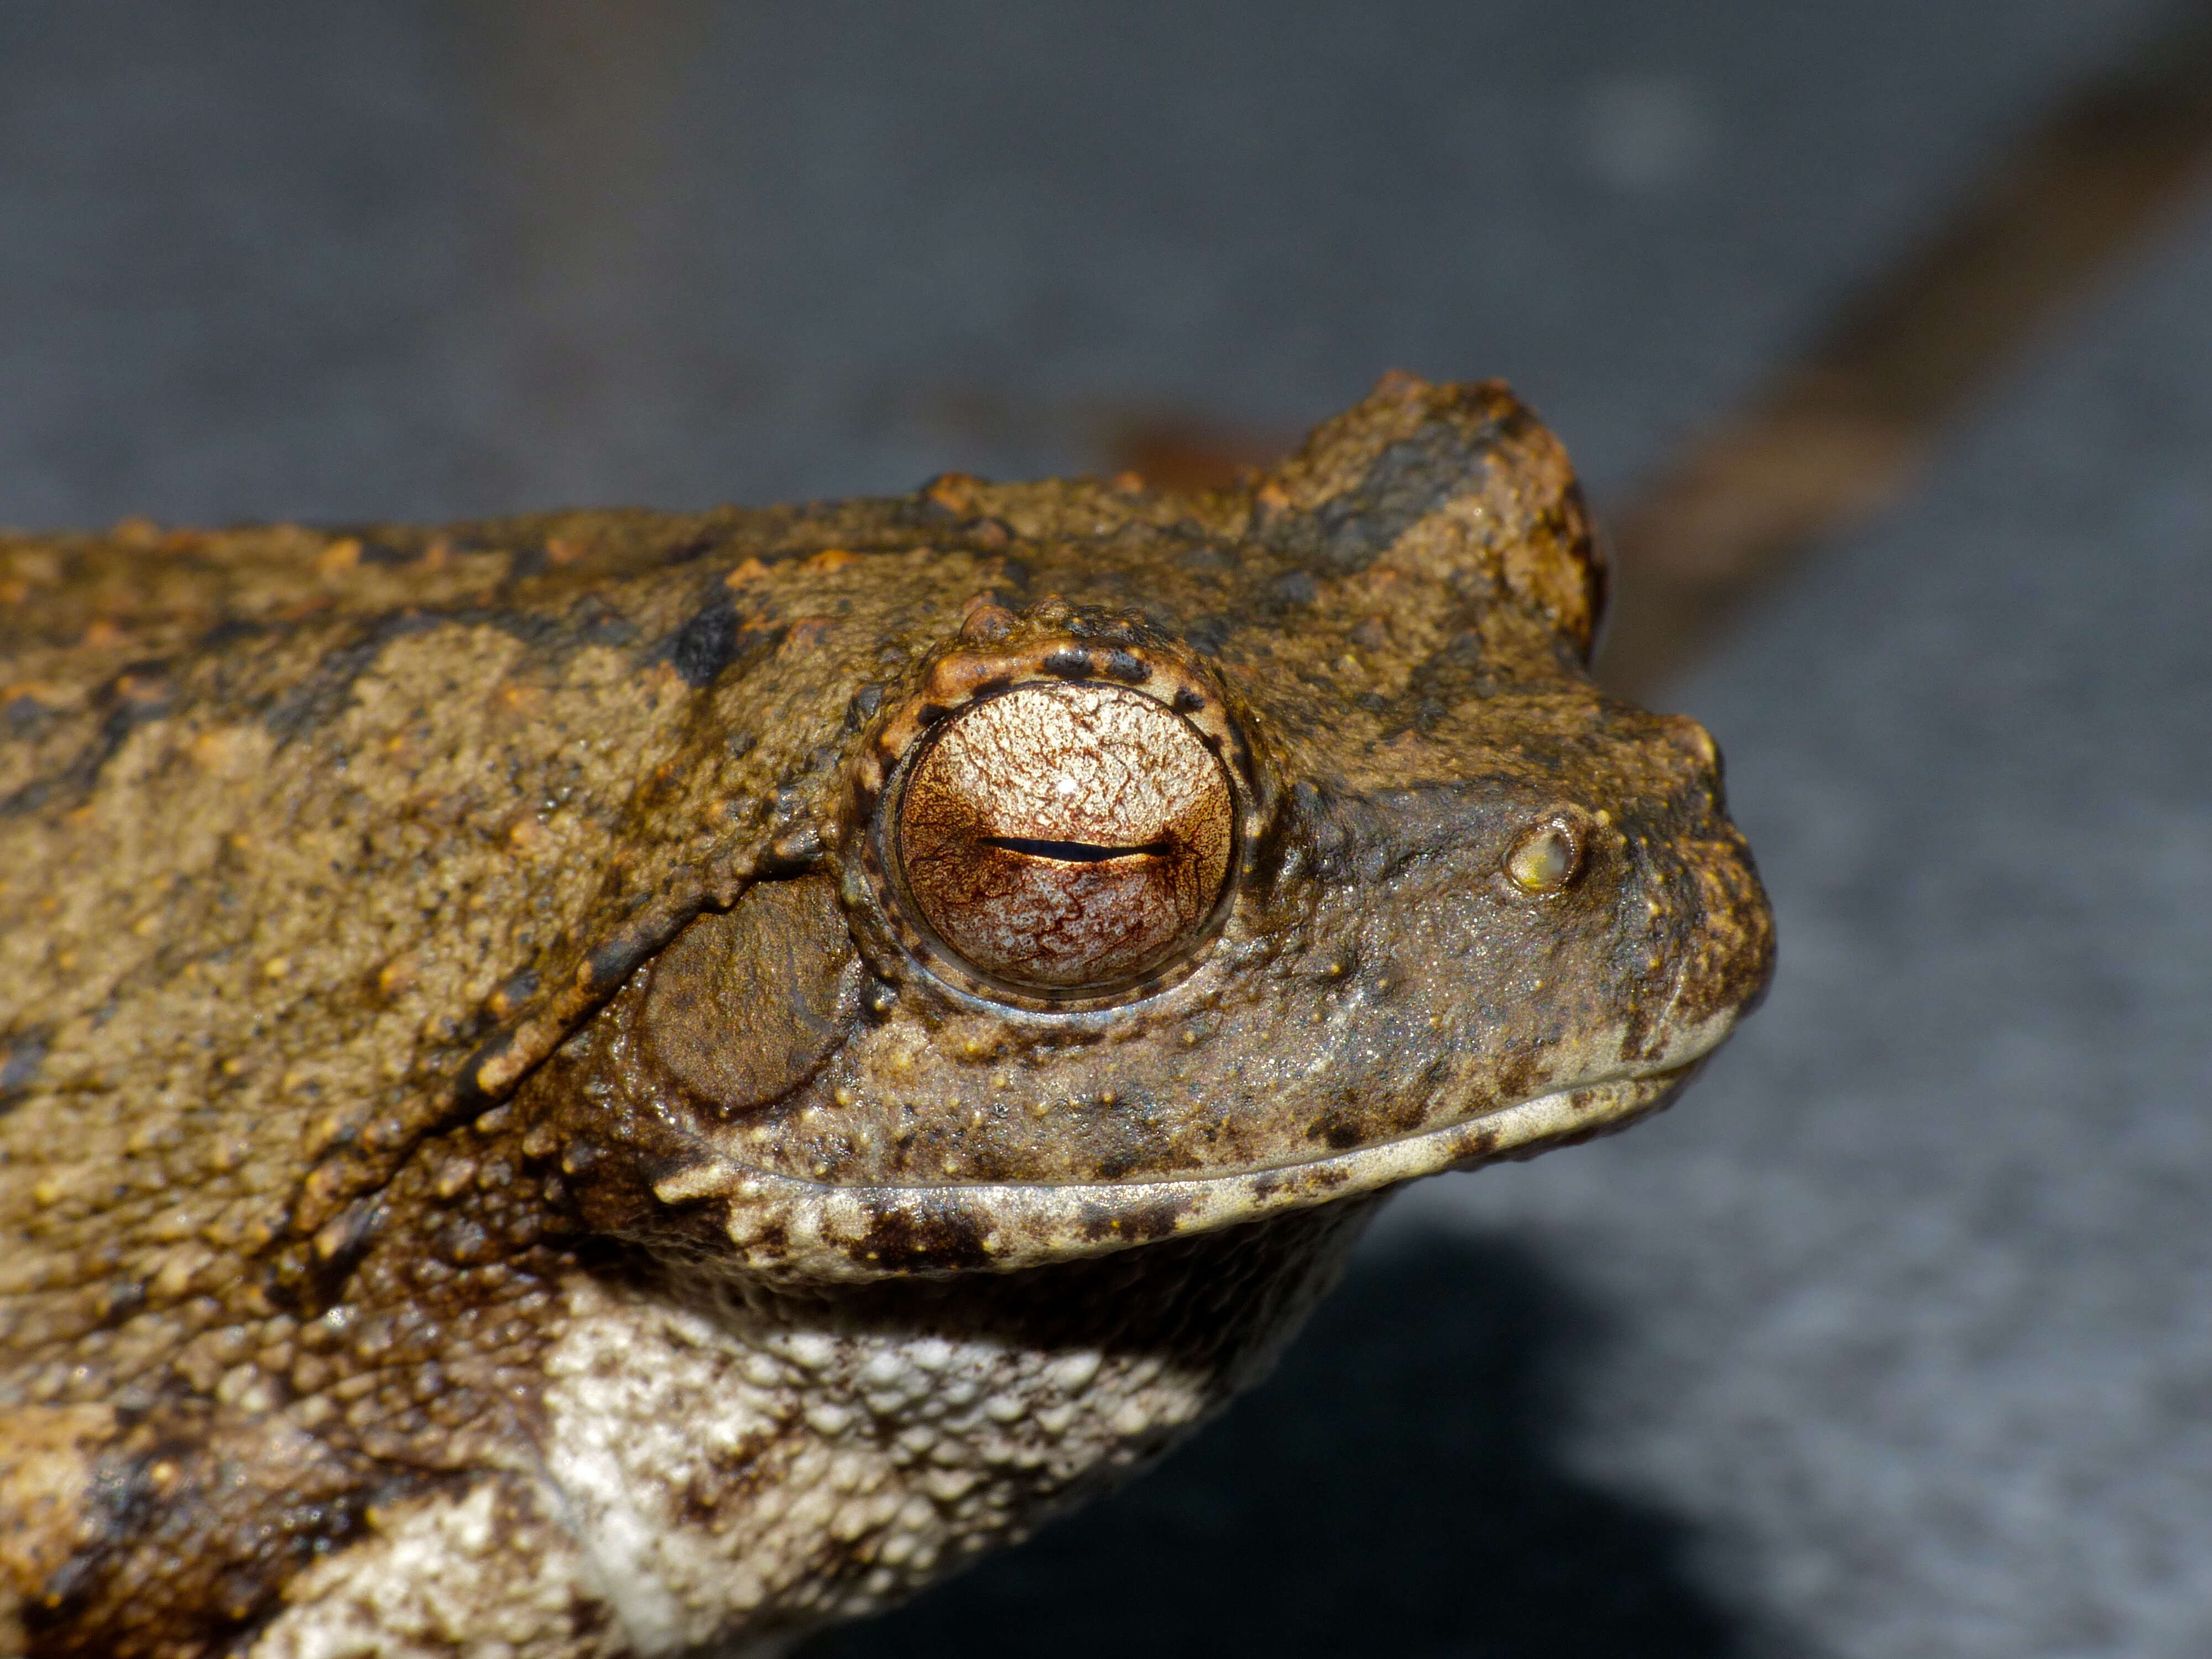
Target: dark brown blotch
column 935, row 1239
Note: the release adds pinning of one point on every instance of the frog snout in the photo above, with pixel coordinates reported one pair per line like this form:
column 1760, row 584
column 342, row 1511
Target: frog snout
column 1725, row 951
column 1708, row 908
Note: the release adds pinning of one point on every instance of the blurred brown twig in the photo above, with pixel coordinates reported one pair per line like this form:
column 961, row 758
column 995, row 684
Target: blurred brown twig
column 1842, row 432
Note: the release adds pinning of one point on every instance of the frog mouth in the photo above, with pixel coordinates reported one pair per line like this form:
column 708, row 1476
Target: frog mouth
column 787, row 1228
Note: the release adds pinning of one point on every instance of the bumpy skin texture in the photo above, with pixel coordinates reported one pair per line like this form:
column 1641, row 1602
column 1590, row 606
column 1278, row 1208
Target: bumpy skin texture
column 494, row 1158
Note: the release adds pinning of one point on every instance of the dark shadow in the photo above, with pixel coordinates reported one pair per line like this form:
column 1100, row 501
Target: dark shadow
column 1397, row 1488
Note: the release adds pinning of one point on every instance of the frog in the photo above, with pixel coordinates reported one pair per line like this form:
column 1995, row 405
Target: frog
column 631, row 1083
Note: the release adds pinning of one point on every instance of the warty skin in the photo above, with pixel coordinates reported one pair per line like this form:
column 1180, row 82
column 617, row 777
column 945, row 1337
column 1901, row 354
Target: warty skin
column 502, row 1150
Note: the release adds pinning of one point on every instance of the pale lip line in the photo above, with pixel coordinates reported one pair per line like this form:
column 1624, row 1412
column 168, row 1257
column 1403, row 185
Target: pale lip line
column 784, row 1226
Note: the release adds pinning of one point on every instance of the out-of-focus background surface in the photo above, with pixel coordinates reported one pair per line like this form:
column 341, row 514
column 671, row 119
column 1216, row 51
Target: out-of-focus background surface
column 1896, row 1338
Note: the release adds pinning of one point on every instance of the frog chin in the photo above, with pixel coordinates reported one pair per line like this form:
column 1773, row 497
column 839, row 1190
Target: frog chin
column 782, row 1227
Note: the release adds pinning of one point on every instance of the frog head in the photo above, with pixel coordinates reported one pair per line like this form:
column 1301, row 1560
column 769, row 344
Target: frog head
column 1225, row 877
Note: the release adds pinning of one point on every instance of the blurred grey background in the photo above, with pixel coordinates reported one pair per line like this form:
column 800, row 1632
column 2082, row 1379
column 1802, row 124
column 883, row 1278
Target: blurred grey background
column 1896, row 1338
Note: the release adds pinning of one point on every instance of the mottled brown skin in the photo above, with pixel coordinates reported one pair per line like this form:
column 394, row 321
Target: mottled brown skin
column 416, row 944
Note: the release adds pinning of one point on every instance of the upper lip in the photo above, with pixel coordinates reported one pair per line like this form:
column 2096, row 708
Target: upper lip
column 822, row 1228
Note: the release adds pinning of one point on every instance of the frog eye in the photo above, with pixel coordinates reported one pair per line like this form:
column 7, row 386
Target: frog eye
column 1064, row 837
column 1548, row 856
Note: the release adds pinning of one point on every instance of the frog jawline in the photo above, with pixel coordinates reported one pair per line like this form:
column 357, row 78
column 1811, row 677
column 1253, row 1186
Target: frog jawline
column 787, row 1227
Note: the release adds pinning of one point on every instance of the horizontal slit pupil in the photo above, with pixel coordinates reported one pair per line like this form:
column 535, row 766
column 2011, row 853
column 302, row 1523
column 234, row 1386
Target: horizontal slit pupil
column 1072, row 852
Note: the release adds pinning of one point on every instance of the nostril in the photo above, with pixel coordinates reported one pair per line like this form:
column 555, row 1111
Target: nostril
column 1547, row 857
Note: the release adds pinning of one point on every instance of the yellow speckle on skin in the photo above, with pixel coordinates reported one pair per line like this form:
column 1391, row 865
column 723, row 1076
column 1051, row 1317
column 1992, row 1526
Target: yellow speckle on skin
column 333, row 1236
column 832, row 558
column 453, row 1178
column 37, row 690
column 175, row 1276
column 276, row 967
column 751, row 570
column 340, row 556
column 229, row 750
column 844, row 1095
column 225, row 1156
column 48, row 1192
column 324, row 1129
